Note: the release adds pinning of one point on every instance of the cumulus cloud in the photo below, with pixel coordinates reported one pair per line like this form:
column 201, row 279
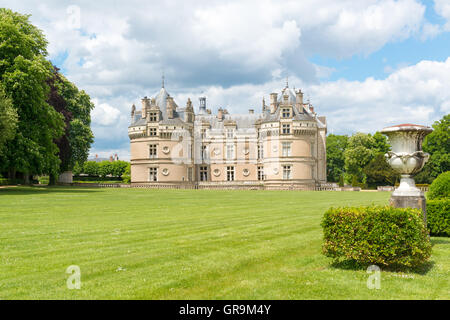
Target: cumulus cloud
column 103, row 114
column 430, row 31
column 235, row 52
column 442, row 7
column 212, row 42
column 419, row 94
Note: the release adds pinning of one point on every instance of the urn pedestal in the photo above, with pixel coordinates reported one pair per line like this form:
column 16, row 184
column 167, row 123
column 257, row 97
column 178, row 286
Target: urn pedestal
column 407, row 158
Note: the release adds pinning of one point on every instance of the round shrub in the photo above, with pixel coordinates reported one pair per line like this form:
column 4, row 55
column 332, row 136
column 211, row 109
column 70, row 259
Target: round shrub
column 440, row 188
column 376, row 235
column 438, row 217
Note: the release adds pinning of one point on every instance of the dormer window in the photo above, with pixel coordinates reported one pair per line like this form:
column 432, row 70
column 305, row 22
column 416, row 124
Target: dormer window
column 286, row 113
column 153, row 117
column 230, row 133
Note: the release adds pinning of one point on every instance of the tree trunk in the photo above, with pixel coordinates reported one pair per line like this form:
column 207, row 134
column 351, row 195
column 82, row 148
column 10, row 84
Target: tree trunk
column 51, row 179
column 12, row 175
column 26, row 178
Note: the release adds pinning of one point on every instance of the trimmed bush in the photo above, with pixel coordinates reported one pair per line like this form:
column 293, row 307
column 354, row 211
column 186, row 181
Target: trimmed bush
column 440, row 188
column 438, row 217
column 376, row 235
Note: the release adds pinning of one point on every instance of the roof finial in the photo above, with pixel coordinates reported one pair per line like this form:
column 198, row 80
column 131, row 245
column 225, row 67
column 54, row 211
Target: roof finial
column 287, row 82
column 162, row 84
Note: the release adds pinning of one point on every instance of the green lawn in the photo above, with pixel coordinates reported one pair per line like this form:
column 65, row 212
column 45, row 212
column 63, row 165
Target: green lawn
column 189, row 244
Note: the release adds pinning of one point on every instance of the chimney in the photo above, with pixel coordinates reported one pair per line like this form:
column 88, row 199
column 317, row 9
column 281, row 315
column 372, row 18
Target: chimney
column 170, row 107
column 220, row 114
column 202, row 109
column 263, row 105
column 299, row 100
column 273, row 102
column 189, row 112
column 145, row 106
column 133, row 112
column 251, row 111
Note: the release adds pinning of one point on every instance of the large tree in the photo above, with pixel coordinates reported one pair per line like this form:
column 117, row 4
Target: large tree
column 359, row 153
column 378, row 172
column 437, row 144
column 24, row 71
column 364, row 149
column 8, row 119
column 75, row 106
column 336, row 145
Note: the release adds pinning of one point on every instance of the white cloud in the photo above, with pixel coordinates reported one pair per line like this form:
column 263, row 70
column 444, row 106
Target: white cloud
column 103, row 114
column 365, row 26
column 212, row 41
column 442, row 7
column 418, row 94
column 430, row 31
column 238, row 51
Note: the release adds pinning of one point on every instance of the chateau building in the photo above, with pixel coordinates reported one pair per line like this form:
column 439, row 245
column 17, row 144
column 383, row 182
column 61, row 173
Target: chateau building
column 283, row 146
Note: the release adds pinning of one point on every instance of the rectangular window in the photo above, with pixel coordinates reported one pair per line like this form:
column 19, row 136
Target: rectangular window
column 286, row 113
column 230, row 173
column 189, row 174
column 230, row 133
column 286, row 172
column 203, row 173
column 204, row 153
column 152, row 131
column 152, row 151
column 230, row 151
column 261, row 173
column 286, row 128
column 286, row 149
column 260, row 151
column 153, row 174
column 153, row 117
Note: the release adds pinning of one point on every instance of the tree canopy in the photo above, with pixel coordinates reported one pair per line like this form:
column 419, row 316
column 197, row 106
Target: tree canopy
column 336, row 145
column 75, row 106
column 48, row 117
column 8, row 119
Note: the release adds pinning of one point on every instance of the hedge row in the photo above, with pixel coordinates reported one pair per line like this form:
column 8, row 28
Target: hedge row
column 376, row 235
column 438, row 217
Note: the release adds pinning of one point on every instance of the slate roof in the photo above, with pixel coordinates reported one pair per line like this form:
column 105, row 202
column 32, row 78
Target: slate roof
column 241, row 120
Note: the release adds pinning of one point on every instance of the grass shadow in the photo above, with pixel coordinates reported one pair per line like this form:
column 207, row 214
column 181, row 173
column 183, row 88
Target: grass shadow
column 440, row 241
column 33, row 190
column 423, row 269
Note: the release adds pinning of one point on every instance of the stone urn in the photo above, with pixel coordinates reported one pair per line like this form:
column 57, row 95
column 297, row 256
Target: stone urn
column 407, row 158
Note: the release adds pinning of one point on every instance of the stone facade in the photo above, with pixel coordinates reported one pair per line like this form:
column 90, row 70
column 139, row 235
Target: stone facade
column 281, row 147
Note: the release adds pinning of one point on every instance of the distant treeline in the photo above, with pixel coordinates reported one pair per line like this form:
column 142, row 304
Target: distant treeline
column 103, row 169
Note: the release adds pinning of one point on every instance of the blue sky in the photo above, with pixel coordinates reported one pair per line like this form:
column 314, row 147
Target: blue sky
column 364, row 64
